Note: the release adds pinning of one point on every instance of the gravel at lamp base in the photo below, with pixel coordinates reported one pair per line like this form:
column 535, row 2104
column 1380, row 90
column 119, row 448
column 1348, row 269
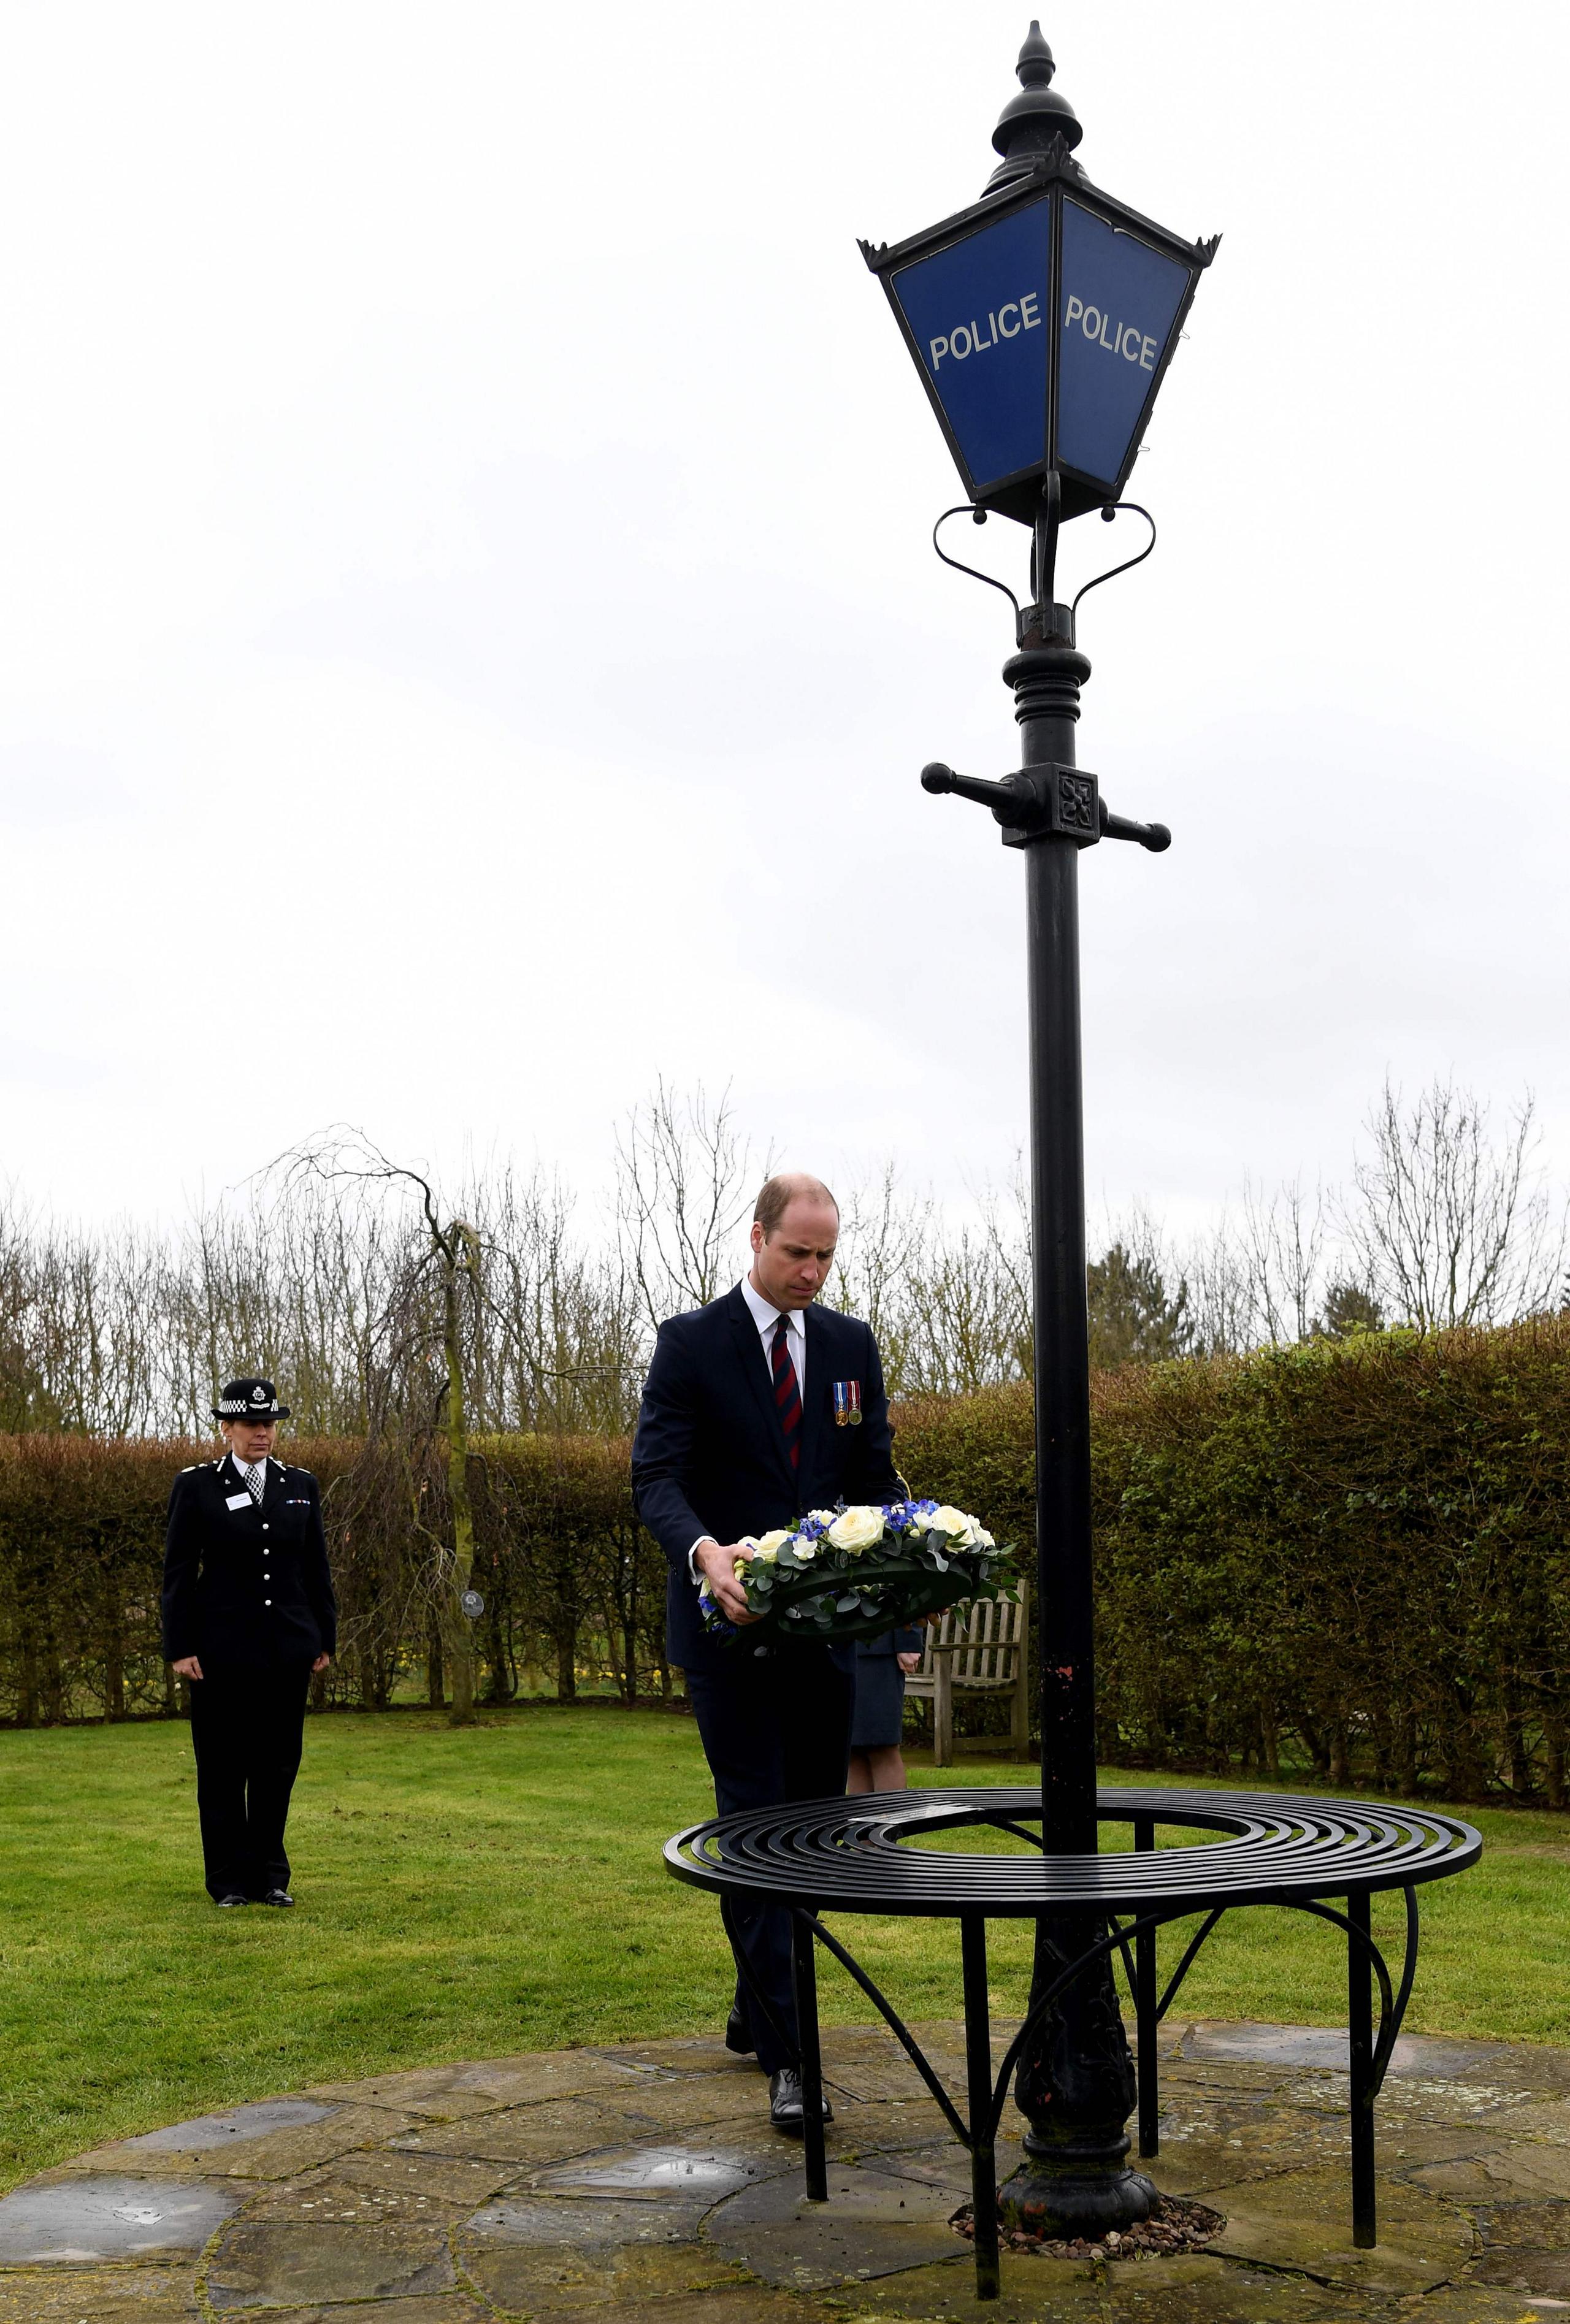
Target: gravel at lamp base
column 1174, row 2226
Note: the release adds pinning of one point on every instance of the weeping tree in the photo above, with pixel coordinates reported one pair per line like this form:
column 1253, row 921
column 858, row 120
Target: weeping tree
column 486, row 1318
column 422, row 1359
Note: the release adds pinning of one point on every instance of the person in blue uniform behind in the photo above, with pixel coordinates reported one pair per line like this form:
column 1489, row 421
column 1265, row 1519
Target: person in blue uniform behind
column 877, row 1764
column 248, row 1615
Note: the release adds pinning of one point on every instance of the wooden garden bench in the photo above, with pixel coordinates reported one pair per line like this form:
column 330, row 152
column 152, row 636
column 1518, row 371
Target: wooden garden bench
column 978, row 1649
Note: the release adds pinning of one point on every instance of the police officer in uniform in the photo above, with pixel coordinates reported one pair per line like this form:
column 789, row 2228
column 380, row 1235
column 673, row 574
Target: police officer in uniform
column 248, row 1615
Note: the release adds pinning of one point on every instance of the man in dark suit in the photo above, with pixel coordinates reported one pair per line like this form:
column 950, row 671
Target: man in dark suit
column 736, row 1436
column 248, row 1615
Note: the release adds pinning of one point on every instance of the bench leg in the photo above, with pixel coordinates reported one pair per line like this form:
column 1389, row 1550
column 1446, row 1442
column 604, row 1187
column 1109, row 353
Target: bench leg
column 978, row 2059
column 1146, row 2027
column 804, row 1969
column 1359, row 2051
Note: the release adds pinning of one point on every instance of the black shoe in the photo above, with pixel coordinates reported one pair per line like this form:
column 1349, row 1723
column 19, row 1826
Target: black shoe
column 739, row 2035
column 786, row 2111
column 278, row 1896
column 233, row 1898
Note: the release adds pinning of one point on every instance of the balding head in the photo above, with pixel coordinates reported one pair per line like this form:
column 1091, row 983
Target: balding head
column 777, row 1193
column 795, row 1228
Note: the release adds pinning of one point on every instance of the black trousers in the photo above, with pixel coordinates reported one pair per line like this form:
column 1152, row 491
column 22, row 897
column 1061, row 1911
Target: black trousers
column 775, row 1727
column 247, row 1724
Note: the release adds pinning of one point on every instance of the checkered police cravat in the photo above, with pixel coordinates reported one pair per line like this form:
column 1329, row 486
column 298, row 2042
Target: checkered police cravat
column 787, row 1390
column 255, row 1478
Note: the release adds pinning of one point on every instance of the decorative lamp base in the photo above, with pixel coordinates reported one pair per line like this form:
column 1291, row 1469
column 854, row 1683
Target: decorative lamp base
column 1076, row 2087
column 1074, row 2186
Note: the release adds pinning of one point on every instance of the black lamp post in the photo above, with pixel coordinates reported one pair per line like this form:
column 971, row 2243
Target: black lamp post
column 1042, row 321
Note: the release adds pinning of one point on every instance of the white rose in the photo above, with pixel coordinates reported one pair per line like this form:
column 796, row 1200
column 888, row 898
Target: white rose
column 806, row 1549
column 856, row 1529
column 773, row 1542
column 954, row 1524
column 765, row 1556
column 821, row 1517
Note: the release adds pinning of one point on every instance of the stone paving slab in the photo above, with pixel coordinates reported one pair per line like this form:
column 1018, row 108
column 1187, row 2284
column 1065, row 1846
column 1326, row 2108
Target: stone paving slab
column 1301, row 2221
column 875, row 2222
column 449, row 2092
column 267, row 2154
column 274, row 2264
column 643, row 2182
column 536, row 2136
column 547, row 2279
column 210, row 2133
column 445, row 2308
column 80, row 2220
column 93, row 2295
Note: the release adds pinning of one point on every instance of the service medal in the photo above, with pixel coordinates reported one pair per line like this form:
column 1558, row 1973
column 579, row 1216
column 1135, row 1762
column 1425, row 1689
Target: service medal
column 847, row 1404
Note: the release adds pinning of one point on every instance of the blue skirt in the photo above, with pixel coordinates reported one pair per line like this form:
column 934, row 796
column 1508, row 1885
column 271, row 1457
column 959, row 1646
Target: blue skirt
column 880, row 1710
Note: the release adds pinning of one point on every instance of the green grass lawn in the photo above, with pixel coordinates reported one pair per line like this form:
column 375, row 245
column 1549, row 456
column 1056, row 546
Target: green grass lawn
column 467, row 1894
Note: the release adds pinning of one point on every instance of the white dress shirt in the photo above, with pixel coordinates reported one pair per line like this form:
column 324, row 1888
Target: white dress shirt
column 765, row 1317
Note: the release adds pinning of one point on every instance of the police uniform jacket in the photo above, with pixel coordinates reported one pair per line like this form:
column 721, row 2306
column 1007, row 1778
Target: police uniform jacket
column 246, row 1582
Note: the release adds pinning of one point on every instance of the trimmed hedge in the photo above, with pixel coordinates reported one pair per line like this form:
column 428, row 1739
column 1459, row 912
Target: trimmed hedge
column 573, row 1588
column 1354, row 1556
column 1364, row 1545
column 1353, row 1553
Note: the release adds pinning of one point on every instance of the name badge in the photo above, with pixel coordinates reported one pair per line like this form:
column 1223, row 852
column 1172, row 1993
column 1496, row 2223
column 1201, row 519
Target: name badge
column 238, row 1501
column 847, row 1404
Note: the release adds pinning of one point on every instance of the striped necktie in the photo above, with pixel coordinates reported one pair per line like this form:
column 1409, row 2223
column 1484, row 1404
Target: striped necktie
column 787, row 1390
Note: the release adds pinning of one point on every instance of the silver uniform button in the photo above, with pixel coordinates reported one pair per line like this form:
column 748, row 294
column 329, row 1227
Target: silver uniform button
column 267, row 1601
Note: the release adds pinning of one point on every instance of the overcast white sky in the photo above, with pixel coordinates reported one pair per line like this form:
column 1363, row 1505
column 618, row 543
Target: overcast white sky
column 466, row 614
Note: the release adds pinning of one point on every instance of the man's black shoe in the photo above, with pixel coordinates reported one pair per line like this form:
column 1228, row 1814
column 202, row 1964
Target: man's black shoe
column 233, row 1898
column 739, row 2034
column 786, row 2110
column 278, row 1896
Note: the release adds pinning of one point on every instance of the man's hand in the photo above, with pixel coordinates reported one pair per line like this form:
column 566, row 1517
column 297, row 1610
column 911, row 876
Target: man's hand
column 188, row 1667
column 908, row 1663
column 320, row 1664
column 717, row 1566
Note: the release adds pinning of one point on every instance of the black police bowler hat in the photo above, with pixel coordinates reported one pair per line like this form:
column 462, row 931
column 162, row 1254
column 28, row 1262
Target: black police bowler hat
column 249, row 1399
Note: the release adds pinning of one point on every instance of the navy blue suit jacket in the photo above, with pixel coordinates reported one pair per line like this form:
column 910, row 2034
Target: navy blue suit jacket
column 709, row 1453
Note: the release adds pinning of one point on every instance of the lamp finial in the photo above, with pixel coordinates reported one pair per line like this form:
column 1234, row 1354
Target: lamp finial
column 1030, row 122
column 1035, row 66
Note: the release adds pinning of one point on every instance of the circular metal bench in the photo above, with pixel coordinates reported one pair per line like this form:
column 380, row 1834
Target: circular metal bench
column 863, row 1855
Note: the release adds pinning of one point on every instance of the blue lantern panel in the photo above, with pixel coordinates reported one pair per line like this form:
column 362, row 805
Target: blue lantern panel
column 1117, row 302
column 980, row 313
